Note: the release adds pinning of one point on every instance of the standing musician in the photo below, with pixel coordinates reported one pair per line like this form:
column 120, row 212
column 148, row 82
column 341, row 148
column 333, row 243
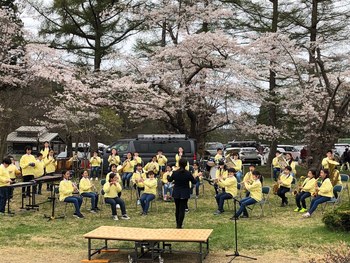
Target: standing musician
column 179, row 155
column 182, row 191
column 113, row 158
column 255, row 190
column 276, row 165
column 5, row 181
column 39, row 171
column 237, row 165
column 128, row 170
column 27, row 164
column 324, row 193
column 306, row 190
column 87, row 189
column 290, row 162
column 230, row 185
column 167, row 186
column 329, row 160
column 112, row 188
column 66, row 190
column 50, row 166
column 149, row 193
column 248, row 177
column 95, row 162
column 218, row 157
column 137, row 180
column 285, row 183
column 152, row 166
column 162, row 161
column 46, row 149
column 13, row 172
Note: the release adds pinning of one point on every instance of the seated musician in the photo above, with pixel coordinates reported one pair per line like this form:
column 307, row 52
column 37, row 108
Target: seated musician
column 255, row 189
column 162, row 161
column 167, row 186
column 306, row 190
column 14, row 172
column 152, row 166
column 114, row 169
column 218, row 157
column 221, row 173
column 86, row 190
column 276, row 167
column 127, row 170
column 197, row 174
column 336, row 180
column 149, row 193
column 237, row 165
column 137, row 181
column 39, row 170
column 66, row 190
column 5, row 181
column 290, row 162
column 111, row 190
column 113, row 158
column 329, row 160
column 248, row 177
column 324, row 193
column 285, row 183
column 230, row 185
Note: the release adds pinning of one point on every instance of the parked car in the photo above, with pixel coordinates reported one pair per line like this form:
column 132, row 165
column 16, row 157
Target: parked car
column 292, row 150
column 211, row 147
column 147, row 146
column 243, row 144
column 248, row 155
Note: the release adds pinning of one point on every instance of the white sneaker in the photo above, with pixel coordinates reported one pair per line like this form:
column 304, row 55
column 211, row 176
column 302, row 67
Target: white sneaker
column 138, row 202
column 90, row 178
column 125, row 217
column 306, row 215
column 117, row 206
column 96, row 178
column 115, row 218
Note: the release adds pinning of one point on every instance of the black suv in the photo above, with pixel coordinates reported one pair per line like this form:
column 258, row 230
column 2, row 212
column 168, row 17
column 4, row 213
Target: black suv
column 147, row 146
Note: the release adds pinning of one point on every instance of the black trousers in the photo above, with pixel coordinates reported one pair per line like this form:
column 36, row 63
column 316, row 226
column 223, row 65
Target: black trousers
column 181, row 205
column 4, row 196
column 27, row 178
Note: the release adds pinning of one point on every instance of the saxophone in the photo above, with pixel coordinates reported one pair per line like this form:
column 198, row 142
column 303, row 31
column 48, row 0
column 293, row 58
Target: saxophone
column 299, row 186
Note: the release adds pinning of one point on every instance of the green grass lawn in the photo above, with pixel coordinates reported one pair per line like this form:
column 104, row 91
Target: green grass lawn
column 279, row 229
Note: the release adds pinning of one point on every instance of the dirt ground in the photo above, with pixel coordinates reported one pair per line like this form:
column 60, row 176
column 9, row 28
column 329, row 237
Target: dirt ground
column 20, row 255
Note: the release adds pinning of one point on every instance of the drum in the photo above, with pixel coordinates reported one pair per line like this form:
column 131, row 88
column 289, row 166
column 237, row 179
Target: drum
column 212, row 172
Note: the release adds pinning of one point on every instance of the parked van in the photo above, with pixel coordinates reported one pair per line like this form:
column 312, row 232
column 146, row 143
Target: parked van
column 147, row 146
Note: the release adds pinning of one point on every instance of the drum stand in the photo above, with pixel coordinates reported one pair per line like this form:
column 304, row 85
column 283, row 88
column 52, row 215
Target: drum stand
column 53, row 202
column 236, row 253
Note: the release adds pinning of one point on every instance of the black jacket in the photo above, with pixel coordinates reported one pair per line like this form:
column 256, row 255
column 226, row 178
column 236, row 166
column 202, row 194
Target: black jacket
column 182, row 181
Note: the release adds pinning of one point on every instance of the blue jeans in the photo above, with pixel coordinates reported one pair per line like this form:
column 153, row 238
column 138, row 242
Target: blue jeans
column 239, row 175
column 93, row 197
column 300, row 197
column 76, row 200
column 95, row 171
column 282, row 193
column 126, row 179
column 197, row 187
column 113, row 202
column 145, row 201
column 316, row 201
column 220, row 200
column 168, row 188
column 4, row 195
column 276, row 172
column 244, row 203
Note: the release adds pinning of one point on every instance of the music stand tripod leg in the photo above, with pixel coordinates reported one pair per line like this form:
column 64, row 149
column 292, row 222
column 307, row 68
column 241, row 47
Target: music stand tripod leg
column 236, row 253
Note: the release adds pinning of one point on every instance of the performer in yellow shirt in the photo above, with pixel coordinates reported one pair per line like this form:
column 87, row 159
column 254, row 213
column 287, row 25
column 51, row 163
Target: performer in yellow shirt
column 66, row 190
column 136, row 159
column 327, row 159
column 162, row 161
column 88, row 190
column 218, row 157
column 285, row 183
column 149, row 193
column 5, row 181
column 179, row 155
column 248, row 177
column 128, row 170
column 137, row 180
column 221, row 173
column 167, row 186
column 291, row 163
column 13, row 172
column 27, row 164
column 113, row 158
column 237, row 165
column 324, row 192
column 152, row 166
column 276, row 166
column 306, row 190
column 198, row 175
column 95, row 163
column 111, row 189
column 45, row 150
column 255, row 190
column 39, row 171
column 230, row 185
column 50, row 166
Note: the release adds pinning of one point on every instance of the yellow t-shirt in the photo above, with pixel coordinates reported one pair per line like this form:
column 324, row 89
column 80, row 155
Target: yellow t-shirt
column 111, row 191
column 162, row 160
column 13, row 171
column 4, row 176
column 50, row 165
column 309, row 185
column 39, row 168
column 85, row 185
column 326, row 188
column 154, row 166
column 66, row 189
column 95, row 161
column 230, row 185
column 286, row 180
column 248, row 177
column 165, row 177
column 275, row 163
column 114, row 160
column 24, row 164
column 221, row 174
column 255, row 190
column 150, row 186
column 237, row 165
column 137, row 176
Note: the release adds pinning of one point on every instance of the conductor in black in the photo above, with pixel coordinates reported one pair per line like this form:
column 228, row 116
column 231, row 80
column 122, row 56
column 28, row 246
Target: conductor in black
column 182, row 191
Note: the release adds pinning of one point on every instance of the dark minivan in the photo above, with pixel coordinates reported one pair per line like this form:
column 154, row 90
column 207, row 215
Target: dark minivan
column 147, row 146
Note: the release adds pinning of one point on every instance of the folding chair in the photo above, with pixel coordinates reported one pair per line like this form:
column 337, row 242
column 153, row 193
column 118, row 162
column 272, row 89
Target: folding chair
column 334, row 201
column 266, row 190
column 345, row 182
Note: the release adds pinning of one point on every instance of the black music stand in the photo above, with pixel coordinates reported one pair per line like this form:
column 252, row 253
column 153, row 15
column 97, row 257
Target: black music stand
column 236, row 253
column 53, row 201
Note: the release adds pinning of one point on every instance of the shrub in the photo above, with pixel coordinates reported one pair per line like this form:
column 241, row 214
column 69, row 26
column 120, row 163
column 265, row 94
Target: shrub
column 339, row 219
column 336, row 254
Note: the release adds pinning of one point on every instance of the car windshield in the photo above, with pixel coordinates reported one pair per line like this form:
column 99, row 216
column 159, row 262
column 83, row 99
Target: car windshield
column 213, row 146
column 166, row 146
column 120, row 146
